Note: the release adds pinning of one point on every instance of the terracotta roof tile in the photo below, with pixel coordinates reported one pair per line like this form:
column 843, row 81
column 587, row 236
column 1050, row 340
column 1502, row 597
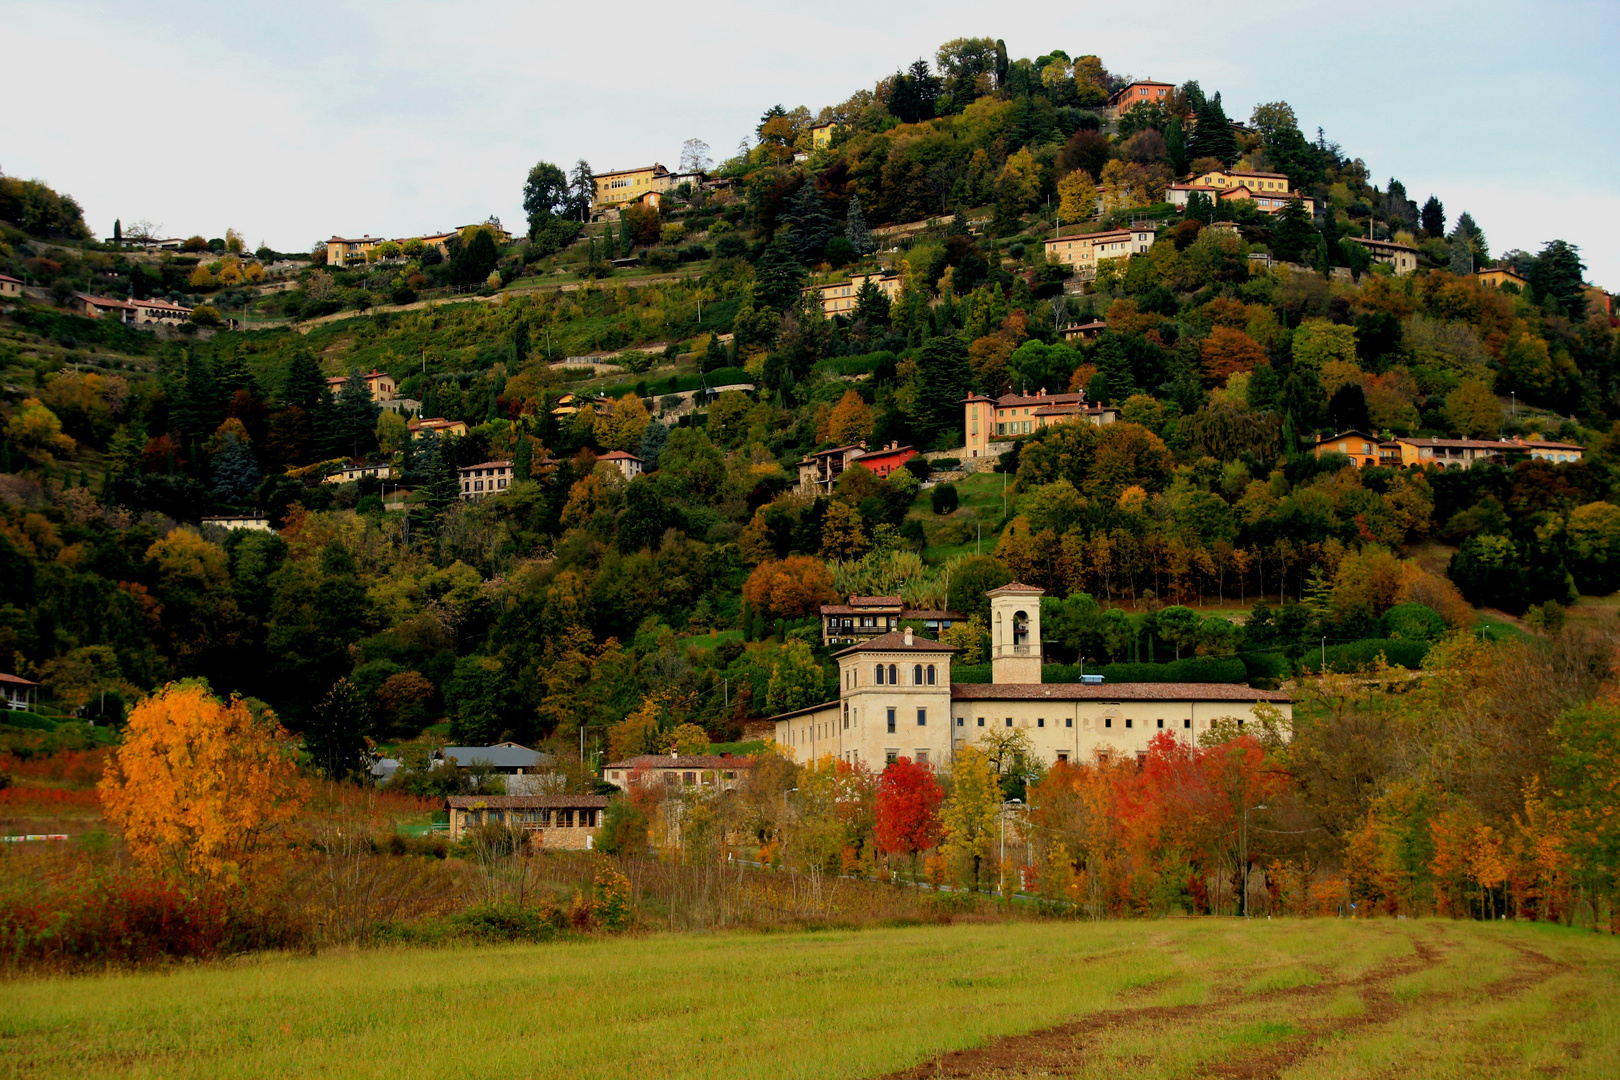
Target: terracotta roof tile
column 523, row 802
column 895, row 641
column 1113, row 692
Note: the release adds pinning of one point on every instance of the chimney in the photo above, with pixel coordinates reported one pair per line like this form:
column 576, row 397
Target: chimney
column 908, row 637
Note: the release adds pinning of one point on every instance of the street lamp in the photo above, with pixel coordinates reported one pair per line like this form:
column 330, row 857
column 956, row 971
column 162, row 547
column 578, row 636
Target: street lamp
column 1243, row 857
column 1001, row 865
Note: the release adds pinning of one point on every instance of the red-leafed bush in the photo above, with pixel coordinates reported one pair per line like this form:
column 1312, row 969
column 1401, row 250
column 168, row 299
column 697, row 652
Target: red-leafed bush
column 46, row 798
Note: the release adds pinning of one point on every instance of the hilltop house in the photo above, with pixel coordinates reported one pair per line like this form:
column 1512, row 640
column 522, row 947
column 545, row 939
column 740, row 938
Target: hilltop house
column 358, row 470
column 485, row 478
column 436, row 425
column 1399, row 257
column 821, row 135
column 101, row 307
column 380, row 383
column 630, row 185
column 254, row 522
column 819, row 471
column 1496, row 277
column 1011, row 415
column 870, row 616
column 1366, row 450
column 628, row 464
column 897, row 699
column 345, row 252
column 840, row 297
column 1084, row 250
column 1140, row 93
column 149, row 312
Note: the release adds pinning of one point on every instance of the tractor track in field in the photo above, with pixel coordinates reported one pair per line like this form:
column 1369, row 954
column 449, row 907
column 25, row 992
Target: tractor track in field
column 1065, row 1048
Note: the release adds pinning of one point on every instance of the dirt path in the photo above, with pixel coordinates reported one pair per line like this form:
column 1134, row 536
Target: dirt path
column 1066, row 1048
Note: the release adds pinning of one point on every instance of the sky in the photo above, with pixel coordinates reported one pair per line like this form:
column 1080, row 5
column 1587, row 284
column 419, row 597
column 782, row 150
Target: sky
column 293, row 122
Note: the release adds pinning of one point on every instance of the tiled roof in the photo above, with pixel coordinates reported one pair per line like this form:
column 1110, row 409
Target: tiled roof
column 488, row 465
column 804, row 711
column 16, row 680
column 875, row 601
column 524, row 802
column 895, row 641
column 1112, row 692
column 682, row 761
column 1016, row 587
column 617, row 455
column 1006, row 401
column 931, row 613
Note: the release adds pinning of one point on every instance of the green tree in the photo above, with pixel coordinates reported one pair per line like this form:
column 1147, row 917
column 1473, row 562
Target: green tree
column 355, row 421
column 1433, row 217
column 779, row 275
column 1212, row 134
column 855, row 230
column 581, row 190
column 474, row 260
column 1179, row 626
column 545, row 197
column 1293, row 235
column 871, row 304
column 1556, row 279
column 523, row 456
column 796, row 682
column 336, row 738
column 971, row 814
column 944, row 379
column 236, row 472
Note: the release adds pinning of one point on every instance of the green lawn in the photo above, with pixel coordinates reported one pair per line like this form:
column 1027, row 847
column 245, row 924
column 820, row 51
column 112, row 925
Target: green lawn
column 1322, row 998
column 981, row 495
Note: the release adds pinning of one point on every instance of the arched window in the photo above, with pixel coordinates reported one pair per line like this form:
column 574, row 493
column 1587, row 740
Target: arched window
column 894, row 676
column 1020, row 629
column 880, row 674
column 916, row 675
column 930, row 674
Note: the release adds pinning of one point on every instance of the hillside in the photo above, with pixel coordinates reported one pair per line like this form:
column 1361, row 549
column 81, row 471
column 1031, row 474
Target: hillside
column 1227, row 343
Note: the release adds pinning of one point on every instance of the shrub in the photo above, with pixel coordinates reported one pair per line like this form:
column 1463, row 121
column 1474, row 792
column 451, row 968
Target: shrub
column 1356, row 655
column 945, row 499
column 1212, row 669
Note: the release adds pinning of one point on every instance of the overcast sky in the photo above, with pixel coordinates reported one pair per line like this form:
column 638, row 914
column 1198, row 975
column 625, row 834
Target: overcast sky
column 293, row 121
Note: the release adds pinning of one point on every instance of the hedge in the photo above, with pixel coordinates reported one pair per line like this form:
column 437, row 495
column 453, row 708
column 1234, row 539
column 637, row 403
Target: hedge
column 1212, row 669
column 1356, row 655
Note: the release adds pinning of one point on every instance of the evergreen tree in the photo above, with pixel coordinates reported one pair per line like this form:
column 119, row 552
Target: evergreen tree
column 1556, row 279
column 198, row 410
column 1212, row 136
column 1293, row 234
column 714, row 355
column 779, row 275
column 1329, row 246
column 855, row 230
column 440, row 492
column 118, row 231
column 302, row 384
column 335, row 738
column 355, row 419
column 1200, row 208
column 811, row 224
column 1433, row 217
column 1460, row 255
column 236, row 472
column 1175, row 145
column 475, row 259
column 520, row 342
column 653, row 440
column 1474, row 236
column 1263, row 387
column 871, row 304
column 944, row 379
column 1114, row 365
column 523, row 456
column 581, row 190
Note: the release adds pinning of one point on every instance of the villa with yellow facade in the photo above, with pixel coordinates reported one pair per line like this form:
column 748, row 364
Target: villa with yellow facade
column 897, row 699
column 1012, row 415
column 1084, row 251
column 1499, row 276
column 839, row 297
column 630, row 185
column 1366, row 450
column 1399, row 257
column 821, row 135
column 380, row 383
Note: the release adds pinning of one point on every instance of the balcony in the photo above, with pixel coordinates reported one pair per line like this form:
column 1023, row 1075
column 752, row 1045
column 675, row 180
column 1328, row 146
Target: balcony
column 1015, row 650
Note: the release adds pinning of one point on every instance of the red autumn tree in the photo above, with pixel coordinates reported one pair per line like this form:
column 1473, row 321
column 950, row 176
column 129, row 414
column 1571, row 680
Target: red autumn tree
column 1227, row 351
column 793, row 588
column 908, row 799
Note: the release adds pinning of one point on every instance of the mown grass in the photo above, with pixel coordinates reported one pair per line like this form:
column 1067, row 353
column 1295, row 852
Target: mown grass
column 1514, row 1000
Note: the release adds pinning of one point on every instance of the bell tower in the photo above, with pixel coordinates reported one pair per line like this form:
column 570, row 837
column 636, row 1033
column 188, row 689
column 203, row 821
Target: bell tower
column 1015, row 633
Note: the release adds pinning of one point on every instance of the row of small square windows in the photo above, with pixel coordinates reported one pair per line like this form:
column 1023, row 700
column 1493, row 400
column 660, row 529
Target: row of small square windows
column 1068, row 721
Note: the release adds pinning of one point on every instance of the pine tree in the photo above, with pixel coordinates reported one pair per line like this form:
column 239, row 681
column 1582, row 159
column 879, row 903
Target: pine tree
column 236, row 472
column 118, row 231
column 1460, row 255
column 302, row 384
column 440, row 492
column 1212, row 137
column 520, row 342
column 812, row 225
column 336, row 737
column 714, row 356
column 355, row 420
column 1175, row 145
column 653, row 440
column 855, row 230
column 523, row 456
column 1475, row 237
column 871, row 304
column 1293, row 233
column 779, row 275
column 944, row 379
column 1556, row 278
column 1433, row 216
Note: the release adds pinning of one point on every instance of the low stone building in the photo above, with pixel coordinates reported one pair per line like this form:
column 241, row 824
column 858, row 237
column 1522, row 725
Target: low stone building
column 563, row 822
column 679, row 770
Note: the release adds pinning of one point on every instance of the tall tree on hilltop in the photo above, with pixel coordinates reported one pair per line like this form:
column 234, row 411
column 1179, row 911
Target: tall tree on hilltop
column 546, row 199
column 581, row 190
column 1293, row 234
column 779, row 275
column 811, row 225
column 1212, row 137
column 356, row 419
column 944, row 379
column 1433, row 217
column 1556, row 279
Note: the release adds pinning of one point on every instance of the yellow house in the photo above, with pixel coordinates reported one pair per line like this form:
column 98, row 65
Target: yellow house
column 436, row 426
column 630, row 185
column 1254, row 181
column 380, row 383
column 1364, row 450
column 821, row 135
column 1083, row 250
column 839, row 298
column 1402, row 259
column 1012, row 415
column 342, row 252
column 1498, row 277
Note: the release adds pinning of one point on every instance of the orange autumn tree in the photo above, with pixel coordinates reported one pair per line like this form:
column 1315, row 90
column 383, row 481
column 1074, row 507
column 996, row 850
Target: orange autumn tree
column 198, row 785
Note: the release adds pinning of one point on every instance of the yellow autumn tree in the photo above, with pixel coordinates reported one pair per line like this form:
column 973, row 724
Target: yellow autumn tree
column 199, row 786
column 622, row 427
column 1077, row 197
column 1021, row 177
column 851, row 419
column 843, row 535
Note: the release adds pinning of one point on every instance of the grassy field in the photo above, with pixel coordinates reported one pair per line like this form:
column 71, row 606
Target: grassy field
column 1152, row 999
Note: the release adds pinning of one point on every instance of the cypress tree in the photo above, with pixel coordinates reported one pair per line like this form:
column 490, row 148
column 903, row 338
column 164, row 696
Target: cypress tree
column 855, row 230
column 523, row 457
column 302, row 383
column 1212, row 137
column 945, row 377
column 1433, row 216
column 355, row 416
